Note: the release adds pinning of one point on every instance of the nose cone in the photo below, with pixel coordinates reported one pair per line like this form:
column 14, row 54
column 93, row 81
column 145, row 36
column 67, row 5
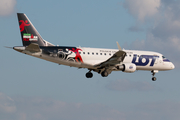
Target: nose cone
column 172, row 66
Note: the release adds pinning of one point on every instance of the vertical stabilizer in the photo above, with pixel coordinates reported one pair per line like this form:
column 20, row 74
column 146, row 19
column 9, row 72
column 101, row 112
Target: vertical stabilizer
column 29, row 33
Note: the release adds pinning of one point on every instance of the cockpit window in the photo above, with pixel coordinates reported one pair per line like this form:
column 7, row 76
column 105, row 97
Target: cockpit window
column 163, row 57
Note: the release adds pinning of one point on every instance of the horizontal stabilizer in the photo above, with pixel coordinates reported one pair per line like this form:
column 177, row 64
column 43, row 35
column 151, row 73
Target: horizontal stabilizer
column 8, row 47
column 33, row 47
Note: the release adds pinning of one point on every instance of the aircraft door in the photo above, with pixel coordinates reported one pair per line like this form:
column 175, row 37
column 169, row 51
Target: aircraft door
column 156, row 59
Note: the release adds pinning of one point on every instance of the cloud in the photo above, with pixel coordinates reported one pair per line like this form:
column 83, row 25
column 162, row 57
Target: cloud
column 163, row 33
column 135, row 29
column 164, row 110
column 127, row 85
column 142, row 9
column 7, row 7
column 7, row 107
column 6, row 104
column 33, row 108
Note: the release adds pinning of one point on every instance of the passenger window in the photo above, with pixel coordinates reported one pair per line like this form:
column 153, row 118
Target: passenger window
column 88, row 53
column 104, row 53
column 83, row 52
column 92, row 53
column 100, row 53
column 110, row 54
column 96, row 53
column 79, row 52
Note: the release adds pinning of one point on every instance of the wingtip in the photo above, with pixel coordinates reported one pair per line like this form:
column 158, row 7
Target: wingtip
column 119, row 47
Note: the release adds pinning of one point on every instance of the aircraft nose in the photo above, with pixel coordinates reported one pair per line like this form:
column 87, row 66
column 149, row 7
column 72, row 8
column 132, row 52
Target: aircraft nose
column 172, row 66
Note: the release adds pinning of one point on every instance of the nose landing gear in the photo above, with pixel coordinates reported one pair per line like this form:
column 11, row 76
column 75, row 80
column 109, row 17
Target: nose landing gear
column 153, row 73
column 153, row 78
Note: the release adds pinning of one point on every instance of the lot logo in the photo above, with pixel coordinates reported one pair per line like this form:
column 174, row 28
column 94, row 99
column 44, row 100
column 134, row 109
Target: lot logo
column 29, row 37
column 144, row 60
column 130, row 67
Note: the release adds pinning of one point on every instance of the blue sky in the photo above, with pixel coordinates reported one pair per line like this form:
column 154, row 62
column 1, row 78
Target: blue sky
column 32, row 88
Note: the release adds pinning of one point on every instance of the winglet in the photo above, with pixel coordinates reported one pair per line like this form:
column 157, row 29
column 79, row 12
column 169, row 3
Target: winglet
column 119, row 47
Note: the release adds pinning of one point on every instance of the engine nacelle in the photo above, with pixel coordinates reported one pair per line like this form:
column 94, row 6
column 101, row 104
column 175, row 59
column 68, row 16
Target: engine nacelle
column 129, row 67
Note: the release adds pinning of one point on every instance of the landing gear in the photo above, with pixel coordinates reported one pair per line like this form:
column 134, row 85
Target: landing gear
column 104, row 74
column 153, row 73
column 89, row 74
column 154, row 79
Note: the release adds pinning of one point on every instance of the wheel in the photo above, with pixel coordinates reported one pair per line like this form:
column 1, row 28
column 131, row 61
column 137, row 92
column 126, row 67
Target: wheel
column 104, row 74
column 154, row 79
column 89, row 75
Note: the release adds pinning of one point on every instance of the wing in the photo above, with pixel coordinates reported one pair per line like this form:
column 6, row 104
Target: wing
column 115, row 59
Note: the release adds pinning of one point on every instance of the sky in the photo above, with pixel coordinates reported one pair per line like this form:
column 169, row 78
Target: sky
column 31, row 88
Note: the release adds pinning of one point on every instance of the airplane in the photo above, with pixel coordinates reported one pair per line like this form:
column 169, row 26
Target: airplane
column 102, row 61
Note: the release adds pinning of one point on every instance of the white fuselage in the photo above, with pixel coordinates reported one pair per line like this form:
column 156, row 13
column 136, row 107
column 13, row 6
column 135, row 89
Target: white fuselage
column 144, row 60
column 97, row 55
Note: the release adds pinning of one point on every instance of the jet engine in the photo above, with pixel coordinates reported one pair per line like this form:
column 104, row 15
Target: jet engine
column 127, row 67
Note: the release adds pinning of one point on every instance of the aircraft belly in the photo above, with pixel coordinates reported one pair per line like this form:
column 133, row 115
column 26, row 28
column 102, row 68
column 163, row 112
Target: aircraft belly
column 63, row 62
column 156, row 67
